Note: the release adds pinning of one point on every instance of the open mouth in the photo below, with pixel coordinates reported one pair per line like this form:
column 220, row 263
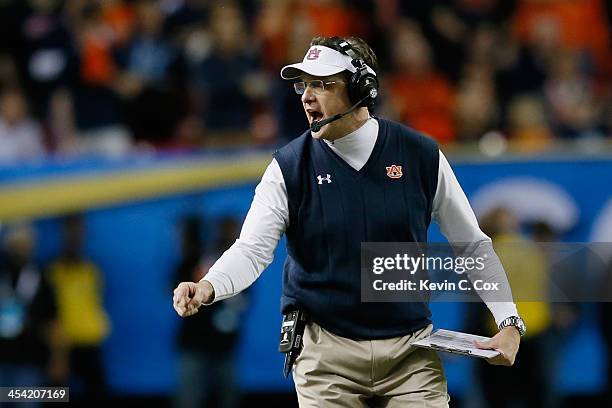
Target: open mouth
column 313, row 115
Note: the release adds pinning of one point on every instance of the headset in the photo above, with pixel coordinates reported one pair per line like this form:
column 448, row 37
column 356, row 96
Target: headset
column 362, row 85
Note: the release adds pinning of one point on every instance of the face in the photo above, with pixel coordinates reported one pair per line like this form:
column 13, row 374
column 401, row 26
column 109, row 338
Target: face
column 74, row 230
column 13, row 107
column 20, row 243
column 325, row 103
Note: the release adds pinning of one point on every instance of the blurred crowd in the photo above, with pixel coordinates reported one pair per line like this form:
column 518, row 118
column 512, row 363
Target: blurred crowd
column 114, row 76
column 52, row 318
column 54, row 324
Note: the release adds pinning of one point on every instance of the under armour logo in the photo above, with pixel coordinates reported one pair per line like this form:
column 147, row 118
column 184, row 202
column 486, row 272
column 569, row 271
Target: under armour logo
column 326, row 178
column 313, row 54
column 394, row 171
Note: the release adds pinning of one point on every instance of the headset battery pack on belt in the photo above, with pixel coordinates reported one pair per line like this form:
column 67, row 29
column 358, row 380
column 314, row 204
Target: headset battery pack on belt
column 292, row 331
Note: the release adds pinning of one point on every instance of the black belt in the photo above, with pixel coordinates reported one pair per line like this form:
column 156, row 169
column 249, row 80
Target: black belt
column 292, row 332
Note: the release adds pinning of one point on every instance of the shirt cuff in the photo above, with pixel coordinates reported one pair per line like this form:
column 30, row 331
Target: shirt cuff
column 502, row 310
column 219, row 287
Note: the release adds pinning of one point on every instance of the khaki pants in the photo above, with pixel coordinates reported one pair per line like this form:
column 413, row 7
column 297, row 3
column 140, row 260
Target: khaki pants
column 333, row 371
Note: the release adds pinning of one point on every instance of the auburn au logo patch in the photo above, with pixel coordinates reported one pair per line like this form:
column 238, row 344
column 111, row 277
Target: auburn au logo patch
column 313, row 54
column 394, row 171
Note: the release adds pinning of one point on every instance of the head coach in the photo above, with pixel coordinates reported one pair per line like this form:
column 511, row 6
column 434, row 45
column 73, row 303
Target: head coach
column 351, row 178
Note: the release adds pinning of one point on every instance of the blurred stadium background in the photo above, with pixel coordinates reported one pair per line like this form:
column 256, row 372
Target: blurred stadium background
column 133, row 133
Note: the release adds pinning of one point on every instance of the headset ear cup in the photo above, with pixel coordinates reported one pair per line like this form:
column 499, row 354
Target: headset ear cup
column 360, row 86
column 368, row 87
column 363, row 86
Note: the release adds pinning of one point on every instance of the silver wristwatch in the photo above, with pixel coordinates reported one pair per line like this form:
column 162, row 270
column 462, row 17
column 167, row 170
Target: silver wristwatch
column 516, row 322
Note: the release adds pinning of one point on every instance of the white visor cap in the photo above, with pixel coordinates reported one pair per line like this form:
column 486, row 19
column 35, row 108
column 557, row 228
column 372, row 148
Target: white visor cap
column 321, row 61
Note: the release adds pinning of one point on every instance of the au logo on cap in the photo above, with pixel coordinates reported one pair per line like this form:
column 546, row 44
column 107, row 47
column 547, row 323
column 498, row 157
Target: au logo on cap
column 394, row 171
column 313, row 54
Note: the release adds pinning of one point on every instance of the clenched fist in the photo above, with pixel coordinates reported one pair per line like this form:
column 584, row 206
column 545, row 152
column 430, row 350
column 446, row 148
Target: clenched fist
column 189, row 296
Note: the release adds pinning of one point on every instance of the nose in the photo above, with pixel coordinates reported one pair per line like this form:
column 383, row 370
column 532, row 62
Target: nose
column 308, row 95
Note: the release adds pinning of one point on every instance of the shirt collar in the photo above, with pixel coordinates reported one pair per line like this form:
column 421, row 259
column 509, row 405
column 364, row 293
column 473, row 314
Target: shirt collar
column 364, row 133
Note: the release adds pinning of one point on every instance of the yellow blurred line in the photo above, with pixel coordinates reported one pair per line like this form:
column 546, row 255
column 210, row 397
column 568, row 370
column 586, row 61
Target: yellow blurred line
column 74, row 193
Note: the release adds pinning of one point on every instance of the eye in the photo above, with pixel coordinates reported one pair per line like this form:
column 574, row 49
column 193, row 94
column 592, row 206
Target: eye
column 299, row 87
column 318, row 85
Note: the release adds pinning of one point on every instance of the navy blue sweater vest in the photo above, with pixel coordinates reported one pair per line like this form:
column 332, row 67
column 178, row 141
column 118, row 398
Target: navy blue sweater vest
column 333, row 208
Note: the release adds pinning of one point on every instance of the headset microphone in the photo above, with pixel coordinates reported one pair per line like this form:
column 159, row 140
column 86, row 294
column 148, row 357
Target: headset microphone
column 316, row 126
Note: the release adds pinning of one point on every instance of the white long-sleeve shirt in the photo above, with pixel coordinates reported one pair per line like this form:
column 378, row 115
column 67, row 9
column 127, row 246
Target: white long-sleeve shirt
column 268, row 218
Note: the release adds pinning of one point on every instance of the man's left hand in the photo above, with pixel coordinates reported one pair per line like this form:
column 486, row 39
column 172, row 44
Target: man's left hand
column 506, row 341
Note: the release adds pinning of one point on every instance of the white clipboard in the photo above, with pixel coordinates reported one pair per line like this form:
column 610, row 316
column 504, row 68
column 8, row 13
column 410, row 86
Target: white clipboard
column 454, row 342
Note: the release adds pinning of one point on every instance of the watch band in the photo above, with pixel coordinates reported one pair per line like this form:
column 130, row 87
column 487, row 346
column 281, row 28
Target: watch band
column 515, row 321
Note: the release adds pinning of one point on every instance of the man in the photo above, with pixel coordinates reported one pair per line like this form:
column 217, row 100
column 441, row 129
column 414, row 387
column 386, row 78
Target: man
column 208, row 341
column 78, row 285
column 325, row 191
column 32, row 344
